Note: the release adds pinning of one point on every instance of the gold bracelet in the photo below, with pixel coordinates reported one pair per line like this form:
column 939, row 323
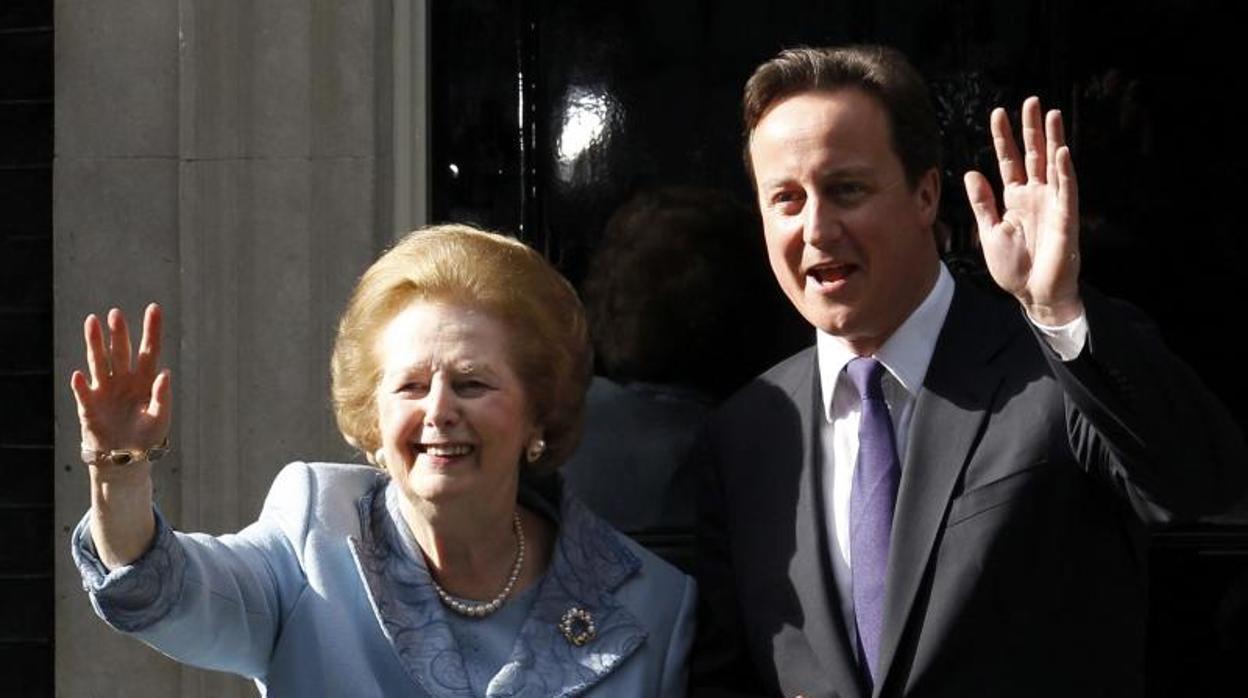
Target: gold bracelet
column 125, row 456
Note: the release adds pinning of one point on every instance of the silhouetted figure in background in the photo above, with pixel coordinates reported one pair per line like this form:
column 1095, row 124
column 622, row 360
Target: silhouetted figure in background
column 682, row 312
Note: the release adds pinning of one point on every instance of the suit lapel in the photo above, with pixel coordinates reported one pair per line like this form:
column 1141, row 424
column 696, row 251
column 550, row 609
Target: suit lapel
column 949, row 414
column 589, row 564
column 810, row 570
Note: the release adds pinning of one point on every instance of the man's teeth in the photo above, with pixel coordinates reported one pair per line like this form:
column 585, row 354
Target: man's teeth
column 448, row 450
column 824, row 274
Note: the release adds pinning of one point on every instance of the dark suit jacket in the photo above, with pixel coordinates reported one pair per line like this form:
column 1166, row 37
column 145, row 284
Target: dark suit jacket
column 1017, row 562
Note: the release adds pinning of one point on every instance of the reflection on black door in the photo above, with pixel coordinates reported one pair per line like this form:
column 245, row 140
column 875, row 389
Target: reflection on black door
column 548, row 116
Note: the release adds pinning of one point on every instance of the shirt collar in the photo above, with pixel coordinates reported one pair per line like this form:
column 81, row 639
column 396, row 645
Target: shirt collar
column 906, row 353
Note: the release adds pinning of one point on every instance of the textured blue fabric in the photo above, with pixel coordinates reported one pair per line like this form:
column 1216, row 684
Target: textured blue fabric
column 873, row 496
column 485, row 644
column 140, row 591
column 319, row 598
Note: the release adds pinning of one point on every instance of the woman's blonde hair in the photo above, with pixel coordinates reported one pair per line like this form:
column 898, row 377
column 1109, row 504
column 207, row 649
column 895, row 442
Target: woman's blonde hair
column 549, row 342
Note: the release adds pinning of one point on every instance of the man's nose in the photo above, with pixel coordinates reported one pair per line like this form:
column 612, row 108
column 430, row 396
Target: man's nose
column 441, row 404
column 821, row 223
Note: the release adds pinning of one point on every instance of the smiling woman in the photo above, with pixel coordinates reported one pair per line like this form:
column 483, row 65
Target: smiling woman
column 460, row 365
column 453, row 415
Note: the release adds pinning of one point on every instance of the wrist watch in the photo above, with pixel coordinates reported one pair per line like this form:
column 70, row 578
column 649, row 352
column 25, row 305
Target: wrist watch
column 125, row 456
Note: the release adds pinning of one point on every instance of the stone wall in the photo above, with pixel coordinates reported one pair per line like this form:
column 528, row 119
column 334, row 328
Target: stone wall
column 231, row 161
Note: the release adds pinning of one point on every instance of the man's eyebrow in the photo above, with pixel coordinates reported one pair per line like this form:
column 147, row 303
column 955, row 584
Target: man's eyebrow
column 842, row 172
column 774, row 182
column 846, row 171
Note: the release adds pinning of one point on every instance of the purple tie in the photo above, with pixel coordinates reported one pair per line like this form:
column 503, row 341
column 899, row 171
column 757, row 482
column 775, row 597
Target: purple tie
column 871, row 501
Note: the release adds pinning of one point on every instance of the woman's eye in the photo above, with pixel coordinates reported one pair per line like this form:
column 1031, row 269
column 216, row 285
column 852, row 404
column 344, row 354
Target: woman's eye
column 471, row 387
column 413, row 387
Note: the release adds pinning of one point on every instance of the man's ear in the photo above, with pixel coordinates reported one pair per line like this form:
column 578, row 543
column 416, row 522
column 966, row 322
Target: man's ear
column 927, row 196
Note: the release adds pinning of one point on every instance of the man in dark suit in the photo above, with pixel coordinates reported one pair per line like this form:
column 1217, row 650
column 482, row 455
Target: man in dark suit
column 948, row 494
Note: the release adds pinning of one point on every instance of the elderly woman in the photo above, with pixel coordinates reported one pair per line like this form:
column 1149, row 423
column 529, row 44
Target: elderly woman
column 460, row 366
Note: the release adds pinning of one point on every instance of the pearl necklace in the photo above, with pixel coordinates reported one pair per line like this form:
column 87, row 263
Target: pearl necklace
column 480, row 609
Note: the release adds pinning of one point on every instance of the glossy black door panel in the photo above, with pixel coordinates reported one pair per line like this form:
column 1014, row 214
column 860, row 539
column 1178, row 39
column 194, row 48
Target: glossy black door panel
column 556, row 113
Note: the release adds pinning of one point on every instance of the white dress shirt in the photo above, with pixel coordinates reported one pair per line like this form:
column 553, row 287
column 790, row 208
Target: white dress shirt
column 905, row 357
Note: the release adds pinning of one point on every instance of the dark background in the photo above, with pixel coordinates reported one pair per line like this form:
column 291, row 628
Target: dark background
column 1148, row 89
column 26, row 533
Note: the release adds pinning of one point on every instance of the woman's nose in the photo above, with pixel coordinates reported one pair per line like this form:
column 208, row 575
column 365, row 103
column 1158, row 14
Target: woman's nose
column 441, row 406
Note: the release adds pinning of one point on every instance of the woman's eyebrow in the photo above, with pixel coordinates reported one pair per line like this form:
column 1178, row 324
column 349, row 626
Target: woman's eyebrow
column 468, row 367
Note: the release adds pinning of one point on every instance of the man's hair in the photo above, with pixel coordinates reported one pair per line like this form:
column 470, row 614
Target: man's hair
column 880, row 71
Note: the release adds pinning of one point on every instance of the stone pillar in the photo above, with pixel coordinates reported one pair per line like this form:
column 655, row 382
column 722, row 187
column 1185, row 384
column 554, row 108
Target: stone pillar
column 231, row 160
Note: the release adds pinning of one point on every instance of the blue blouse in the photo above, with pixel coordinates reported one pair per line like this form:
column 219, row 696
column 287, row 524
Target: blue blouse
column 485, row 643
column 324, row 596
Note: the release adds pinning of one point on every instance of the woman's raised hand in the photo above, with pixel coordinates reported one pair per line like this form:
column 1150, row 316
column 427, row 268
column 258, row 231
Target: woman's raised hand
column 125, row 403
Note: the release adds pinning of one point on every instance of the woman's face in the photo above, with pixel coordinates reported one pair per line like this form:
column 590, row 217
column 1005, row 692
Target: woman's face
column 454, row 417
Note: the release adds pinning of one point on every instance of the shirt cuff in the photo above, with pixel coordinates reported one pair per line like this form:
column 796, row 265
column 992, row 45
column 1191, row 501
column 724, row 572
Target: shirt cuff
column 1067, row 341
column 135, row 596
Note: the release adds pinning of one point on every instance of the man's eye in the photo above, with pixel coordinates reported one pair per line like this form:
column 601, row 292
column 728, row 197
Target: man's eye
column 787, row 201
column 848, row 191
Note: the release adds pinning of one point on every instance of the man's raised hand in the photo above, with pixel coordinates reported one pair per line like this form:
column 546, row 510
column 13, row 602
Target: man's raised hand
column 1032, row 247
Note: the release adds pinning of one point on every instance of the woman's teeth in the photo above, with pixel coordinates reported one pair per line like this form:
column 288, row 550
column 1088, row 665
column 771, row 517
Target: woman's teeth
column 448, row 450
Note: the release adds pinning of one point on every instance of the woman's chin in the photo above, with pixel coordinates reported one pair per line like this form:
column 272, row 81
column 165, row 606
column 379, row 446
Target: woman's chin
column 436, row 487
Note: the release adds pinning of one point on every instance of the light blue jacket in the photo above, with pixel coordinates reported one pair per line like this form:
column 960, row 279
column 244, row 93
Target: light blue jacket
column 312, row 600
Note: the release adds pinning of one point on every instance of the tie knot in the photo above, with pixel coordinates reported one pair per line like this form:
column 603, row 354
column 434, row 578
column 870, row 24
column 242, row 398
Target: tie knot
column 866, row 374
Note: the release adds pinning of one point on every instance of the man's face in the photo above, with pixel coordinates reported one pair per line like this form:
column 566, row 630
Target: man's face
column 848, row 239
